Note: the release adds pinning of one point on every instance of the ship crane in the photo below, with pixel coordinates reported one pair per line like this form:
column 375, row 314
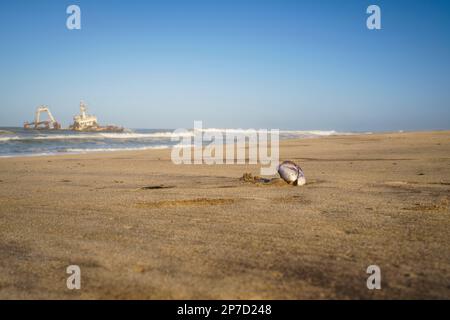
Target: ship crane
column 51, row 123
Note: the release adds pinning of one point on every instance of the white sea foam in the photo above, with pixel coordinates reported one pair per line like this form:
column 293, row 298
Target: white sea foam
column 10, row 138
column 291, row 132
column 81, row 151
column 97, row 136
column 39, row 154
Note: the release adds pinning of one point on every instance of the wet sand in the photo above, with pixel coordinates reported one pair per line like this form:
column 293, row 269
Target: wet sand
column 141, row 227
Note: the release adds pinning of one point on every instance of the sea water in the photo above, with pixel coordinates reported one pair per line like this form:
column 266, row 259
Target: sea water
column 20, row 142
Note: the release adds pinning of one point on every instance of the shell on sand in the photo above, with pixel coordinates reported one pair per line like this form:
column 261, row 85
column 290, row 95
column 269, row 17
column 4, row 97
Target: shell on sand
column 291, row 173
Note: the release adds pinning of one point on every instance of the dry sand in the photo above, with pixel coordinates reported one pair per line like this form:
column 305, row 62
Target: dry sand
column 142, row 227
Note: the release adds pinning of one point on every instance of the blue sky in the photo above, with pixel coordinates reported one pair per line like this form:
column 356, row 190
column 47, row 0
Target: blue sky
column 240, row 64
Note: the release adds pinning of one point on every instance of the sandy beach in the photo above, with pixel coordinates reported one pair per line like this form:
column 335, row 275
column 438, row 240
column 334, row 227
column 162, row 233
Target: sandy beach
column 141, row 227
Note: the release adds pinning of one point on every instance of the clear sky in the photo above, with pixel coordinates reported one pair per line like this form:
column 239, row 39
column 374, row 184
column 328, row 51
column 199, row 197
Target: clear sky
column 231, row 63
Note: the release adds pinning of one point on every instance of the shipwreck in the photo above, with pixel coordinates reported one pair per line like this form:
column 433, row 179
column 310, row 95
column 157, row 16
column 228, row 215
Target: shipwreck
column 81, row 122
column 37, row 124
column 89, row 123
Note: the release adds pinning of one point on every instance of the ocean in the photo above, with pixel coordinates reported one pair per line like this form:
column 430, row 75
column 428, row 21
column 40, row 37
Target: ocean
column 16, row 142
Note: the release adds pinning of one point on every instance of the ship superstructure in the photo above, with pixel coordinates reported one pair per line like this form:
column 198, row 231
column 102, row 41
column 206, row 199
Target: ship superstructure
column 84, row 121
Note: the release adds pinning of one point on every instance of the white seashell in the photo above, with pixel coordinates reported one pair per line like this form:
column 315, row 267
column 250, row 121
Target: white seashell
column 291, row 173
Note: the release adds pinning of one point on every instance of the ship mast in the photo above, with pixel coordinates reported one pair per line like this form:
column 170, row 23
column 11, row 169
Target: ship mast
column 83, row 110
